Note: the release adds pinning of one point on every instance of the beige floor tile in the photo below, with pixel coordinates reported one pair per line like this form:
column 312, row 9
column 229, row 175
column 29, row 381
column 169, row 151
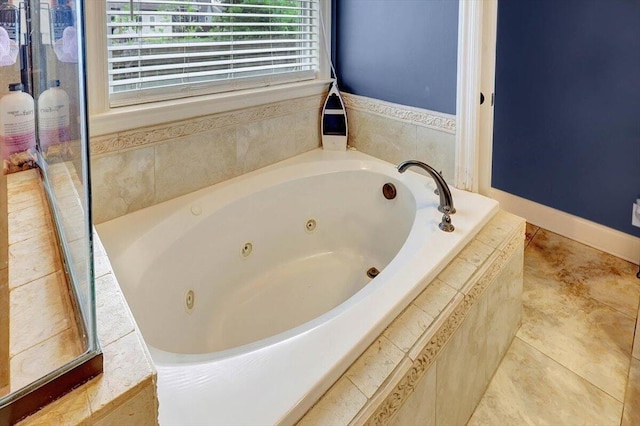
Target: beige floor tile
column 583, row 271
column 39, row 311
column 23, row 190
column 21, row 258
column 27, row 175
column 631, row 415
column 580, row 307
column 565, row 317
column 532, row 389
column 4, row 331
column 28, row 223
column 41, row 359
column 586, row 336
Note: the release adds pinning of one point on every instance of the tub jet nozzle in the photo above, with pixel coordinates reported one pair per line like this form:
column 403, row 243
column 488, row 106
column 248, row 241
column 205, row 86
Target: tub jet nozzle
column 372, row 272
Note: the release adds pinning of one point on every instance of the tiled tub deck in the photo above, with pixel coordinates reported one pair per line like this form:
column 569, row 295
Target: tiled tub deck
column 432, row 365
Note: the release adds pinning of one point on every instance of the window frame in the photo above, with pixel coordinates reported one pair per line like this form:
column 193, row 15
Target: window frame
column 105, row 119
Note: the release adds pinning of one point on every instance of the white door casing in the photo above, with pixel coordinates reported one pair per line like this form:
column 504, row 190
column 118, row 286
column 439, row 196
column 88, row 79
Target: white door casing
column 476, row 74
column 468, row 89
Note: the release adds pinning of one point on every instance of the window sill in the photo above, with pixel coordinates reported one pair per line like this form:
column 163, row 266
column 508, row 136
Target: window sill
column 143, row 115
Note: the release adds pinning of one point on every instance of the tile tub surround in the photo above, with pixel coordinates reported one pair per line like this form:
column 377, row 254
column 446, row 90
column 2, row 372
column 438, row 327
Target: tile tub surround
column 438, row 356
column 45, row 336
column 395, row 133
column 138, row 168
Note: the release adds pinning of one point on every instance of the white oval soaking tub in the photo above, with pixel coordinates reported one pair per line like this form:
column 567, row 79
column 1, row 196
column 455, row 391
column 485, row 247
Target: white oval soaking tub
column 255, row 294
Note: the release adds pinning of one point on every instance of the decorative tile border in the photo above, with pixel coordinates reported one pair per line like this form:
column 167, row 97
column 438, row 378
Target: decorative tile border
column 483, row 277
column 422, row 117
column 389, row 398
column 149, row 135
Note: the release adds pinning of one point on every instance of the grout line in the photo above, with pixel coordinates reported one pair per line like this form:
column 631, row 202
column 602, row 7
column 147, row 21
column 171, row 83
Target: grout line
column 574, row 373
column 626, row 388
column 532, row 235
column 56, row 335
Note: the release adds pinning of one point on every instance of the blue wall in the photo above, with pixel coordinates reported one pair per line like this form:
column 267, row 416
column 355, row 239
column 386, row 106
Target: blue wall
column 398, row 51
column 567, row 111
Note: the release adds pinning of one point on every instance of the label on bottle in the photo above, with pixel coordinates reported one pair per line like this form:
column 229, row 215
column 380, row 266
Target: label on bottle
column 9, row 21
column 53, row 125
column 16, row 143
column 18, row 136
column 62, row 18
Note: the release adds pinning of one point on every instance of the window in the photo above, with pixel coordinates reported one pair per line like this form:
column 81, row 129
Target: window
column 197, row 47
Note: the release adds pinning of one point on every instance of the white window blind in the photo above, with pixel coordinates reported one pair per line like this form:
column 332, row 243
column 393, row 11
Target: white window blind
column 164, row 49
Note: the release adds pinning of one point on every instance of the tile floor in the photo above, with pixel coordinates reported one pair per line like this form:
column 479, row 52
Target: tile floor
column 571, row 362
column 42, row 329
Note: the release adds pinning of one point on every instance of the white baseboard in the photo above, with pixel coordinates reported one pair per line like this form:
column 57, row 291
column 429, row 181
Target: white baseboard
column 603, row 238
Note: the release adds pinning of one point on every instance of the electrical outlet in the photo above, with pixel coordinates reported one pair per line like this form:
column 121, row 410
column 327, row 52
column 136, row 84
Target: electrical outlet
column 635, row 215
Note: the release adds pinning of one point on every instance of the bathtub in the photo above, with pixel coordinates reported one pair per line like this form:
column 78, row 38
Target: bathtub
column 254, row 295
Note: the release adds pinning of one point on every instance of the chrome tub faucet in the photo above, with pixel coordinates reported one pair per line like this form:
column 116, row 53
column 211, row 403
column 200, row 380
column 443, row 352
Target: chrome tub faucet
column 446, row 200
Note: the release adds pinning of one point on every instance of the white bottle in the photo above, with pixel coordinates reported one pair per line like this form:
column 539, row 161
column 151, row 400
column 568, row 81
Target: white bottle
column 53, row 116
column 17, row 122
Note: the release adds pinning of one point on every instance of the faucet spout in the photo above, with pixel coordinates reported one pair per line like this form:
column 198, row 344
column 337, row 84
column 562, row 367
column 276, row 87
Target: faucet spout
column 446, row 200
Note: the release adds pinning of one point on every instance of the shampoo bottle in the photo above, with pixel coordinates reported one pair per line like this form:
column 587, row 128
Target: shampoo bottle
column 53, row 116
column 17, row 128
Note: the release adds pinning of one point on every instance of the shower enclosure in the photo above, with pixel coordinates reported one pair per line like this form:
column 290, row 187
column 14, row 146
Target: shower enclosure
column 42, row 49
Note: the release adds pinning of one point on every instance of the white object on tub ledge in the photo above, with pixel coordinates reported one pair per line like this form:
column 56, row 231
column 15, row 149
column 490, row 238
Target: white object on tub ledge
column 220, row 368
column 335, row 127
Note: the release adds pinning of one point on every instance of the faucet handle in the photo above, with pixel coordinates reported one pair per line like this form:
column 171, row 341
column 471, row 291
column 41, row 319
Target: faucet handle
column 446, row 224
column 447, row 210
